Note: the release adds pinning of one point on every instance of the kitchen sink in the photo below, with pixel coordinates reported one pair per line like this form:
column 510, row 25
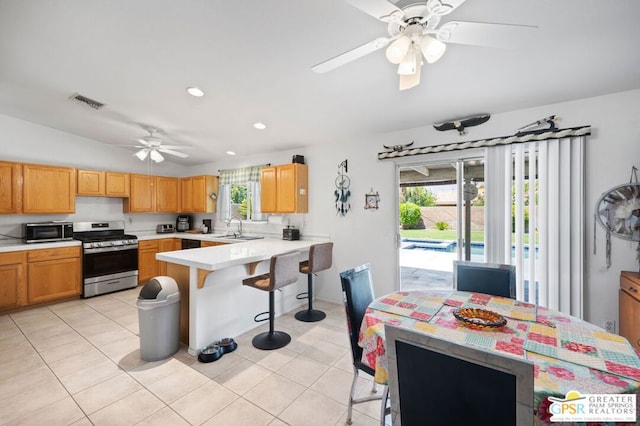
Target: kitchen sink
column 238, row 237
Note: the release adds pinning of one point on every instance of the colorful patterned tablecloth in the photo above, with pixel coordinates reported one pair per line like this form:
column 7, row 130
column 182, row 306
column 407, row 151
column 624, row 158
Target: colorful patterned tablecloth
column 567, row 353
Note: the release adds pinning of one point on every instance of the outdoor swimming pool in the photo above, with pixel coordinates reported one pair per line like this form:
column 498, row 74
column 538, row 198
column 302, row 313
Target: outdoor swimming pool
column 450, row 246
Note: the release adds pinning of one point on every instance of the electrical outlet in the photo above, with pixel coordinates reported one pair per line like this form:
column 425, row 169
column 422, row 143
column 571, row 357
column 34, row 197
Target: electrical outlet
column 610, row 326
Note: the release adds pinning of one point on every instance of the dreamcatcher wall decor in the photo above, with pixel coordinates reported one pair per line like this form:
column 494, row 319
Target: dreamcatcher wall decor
column 342, row 192
column 618, row 211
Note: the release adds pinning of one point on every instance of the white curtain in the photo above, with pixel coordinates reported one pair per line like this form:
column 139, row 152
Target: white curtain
column 555, row 267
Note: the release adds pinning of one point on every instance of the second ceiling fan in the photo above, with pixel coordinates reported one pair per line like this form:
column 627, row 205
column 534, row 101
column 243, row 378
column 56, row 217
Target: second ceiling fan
column 414, row 34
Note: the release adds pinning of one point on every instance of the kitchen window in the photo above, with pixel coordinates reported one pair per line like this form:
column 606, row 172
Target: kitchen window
column 239, row 194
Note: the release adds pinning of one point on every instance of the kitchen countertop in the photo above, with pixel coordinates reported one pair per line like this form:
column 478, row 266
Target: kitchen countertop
column 19, row 245
column 223, row 256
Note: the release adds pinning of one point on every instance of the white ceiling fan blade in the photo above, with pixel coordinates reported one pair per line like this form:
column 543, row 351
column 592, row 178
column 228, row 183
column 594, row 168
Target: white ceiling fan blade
column 506, row 36
column 176, row 147
column 379, row 9
column 351, row 55
column 443, row 7
column 176, row 153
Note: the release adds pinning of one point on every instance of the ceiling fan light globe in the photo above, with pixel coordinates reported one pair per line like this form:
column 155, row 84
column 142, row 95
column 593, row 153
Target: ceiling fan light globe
column 142, row 154
column 432, row 49
column 398, row 50
column 410, row 80
column 156, row 156
column 410, row 62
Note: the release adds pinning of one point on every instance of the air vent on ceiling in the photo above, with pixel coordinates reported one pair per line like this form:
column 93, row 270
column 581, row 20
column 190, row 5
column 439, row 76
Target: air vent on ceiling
column 87, row 101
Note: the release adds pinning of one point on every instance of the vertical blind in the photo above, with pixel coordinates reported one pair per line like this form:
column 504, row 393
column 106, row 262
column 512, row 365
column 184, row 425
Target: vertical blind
column 551, row 171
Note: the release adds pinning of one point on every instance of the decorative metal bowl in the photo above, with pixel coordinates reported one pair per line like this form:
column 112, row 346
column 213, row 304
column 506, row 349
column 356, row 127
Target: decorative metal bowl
column 479, row 319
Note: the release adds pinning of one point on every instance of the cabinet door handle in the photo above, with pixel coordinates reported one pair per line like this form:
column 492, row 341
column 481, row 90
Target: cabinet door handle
column 633, row 290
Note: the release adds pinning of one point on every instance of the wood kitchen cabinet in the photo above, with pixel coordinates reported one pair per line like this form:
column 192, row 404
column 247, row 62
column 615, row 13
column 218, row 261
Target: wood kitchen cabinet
column 149, row 194
column 13, row 290
column 167, row 244
column 10, row 187
column 141, row 196
column 629, row 307
column 48, row 189
column 196, row 194
column 98, row 183
column 148, row 266
column 53, row 274
column 167, row 194
column 212, row 243
column 284, row 189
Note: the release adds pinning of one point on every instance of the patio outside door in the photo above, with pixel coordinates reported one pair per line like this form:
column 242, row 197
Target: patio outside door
column 441, row 220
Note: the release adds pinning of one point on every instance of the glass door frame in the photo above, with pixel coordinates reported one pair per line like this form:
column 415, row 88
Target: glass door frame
column 457, row 157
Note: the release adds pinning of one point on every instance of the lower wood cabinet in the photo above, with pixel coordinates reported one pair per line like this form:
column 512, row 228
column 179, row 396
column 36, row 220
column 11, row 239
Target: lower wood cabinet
column 53, row 274
column 629, row 307
column 13, row 291
column 148, row 266
column 211, row 244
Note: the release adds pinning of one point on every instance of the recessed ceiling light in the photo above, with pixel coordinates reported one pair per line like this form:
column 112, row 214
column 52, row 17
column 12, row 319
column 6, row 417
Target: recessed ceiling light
column 259, row 125
column 231, row 153
column 194, row 91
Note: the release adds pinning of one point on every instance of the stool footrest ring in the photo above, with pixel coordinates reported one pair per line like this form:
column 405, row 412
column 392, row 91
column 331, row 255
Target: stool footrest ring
column 256, row 319
column 302, row 296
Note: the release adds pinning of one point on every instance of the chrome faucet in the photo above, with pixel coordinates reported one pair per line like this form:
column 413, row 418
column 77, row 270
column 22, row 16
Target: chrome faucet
column 239, row 234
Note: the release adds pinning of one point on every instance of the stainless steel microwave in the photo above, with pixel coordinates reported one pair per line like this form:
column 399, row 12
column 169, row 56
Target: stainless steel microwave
column 41, row 232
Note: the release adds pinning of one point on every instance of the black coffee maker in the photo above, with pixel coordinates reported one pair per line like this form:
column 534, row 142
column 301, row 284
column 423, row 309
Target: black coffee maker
column 184, row 222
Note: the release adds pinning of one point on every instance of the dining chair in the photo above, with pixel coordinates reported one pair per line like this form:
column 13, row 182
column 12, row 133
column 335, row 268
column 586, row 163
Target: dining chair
column 320, row 258
column 357, row 291
column 488, row 278
column 283, row 270
column 437, row 381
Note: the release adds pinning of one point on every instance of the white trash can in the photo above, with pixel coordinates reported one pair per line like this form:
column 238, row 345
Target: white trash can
column 159, row 318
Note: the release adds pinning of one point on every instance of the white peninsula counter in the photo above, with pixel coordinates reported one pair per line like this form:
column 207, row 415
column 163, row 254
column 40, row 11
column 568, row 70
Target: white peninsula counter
column 214, row 302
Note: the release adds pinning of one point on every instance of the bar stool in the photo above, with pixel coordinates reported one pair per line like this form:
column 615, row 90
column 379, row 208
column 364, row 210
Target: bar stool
column 320, row 257
column 282, row 272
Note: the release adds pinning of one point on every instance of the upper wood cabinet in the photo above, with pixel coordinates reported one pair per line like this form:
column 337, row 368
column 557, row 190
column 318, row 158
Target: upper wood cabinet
column 167, row 194
column 48, row 189
column 284, row 189
column 141, row 196
column 10, row 187
column 99, row 184
column 196, row 194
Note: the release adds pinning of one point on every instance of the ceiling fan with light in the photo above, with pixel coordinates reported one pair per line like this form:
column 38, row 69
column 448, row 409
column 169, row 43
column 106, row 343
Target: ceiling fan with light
column 414, row 34
column 152, row 146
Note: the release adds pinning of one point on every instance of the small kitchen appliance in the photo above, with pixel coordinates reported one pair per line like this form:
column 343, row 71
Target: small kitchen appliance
column 41, row 232
column 208, row 224
column 290, row 233
column 184, row 222
column 165, row 228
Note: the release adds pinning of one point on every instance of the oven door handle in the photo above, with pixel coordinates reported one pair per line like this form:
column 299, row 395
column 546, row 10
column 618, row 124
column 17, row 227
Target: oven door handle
column 108, row 249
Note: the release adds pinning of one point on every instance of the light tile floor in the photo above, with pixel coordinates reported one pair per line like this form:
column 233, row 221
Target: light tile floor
column 79, row 363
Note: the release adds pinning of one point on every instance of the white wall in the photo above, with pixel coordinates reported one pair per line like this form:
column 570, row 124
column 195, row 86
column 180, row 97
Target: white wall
column 369, row 236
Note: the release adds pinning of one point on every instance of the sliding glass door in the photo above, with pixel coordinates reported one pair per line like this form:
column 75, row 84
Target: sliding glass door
column 441, row 219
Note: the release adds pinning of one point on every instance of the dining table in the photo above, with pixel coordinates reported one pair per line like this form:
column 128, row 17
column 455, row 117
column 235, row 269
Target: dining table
column 568, row 353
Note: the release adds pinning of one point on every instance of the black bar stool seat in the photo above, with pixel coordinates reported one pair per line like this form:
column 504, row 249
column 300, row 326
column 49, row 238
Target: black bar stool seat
column 320, row 258
column 282, row 272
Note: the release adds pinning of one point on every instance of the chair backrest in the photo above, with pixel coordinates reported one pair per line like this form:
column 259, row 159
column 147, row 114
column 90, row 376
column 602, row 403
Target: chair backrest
column 283, row 270
column 320, row 257
column 488, row 278
column 455, row 383
column 357, row 291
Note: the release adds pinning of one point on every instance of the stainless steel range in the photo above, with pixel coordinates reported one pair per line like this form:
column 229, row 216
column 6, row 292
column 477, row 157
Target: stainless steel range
column 109, row 257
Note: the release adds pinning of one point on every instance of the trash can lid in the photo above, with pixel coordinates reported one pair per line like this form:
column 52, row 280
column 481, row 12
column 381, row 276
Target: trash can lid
column 159, row 288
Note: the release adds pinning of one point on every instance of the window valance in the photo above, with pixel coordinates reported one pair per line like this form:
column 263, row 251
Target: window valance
column 240, row 176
